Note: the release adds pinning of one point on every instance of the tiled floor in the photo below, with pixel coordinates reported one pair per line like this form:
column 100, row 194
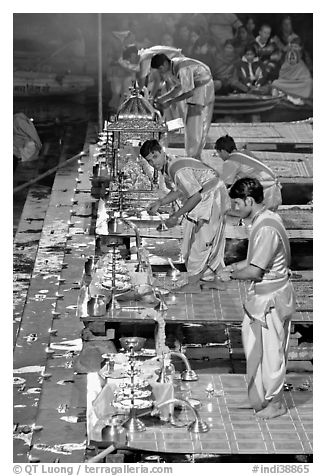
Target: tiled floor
column 254, row 133
column 209, row 306
column 234, row 428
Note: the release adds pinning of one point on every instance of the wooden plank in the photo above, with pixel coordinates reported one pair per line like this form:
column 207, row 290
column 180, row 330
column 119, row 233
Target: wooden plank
column 232, row 230
column 25, row 247
column 285, row 165
column 51, row 304
column 254, row 133
column 211, row 306
column 295, row 217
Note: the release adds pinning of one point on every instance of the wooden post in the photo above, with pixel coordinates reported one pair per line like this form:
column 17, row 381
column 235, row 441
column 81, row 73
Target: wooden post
column 100, row 73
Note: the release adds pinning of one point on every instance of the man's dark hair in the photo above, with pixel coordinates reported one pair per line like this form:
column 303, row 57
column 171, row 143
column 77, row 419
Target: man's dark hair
column 225, row 143
column 128, row 51
column 251, row 47
column 150, row 146
column 265, row 25
column 247, row 187
column 159, row 60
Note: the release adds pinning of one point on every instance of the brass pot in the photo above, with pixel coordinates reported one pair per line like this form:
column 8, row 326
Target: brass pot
column 136, row 343
column 96, row 306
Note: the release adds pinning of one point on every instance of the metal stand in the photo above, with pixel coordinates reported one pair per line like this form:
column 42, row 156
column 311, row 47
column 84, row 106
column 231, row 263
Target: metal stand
column 133, row 424
column 228, row 342
column 198, row 426
column 114, row 303
column 162, row 306
column 189, row 376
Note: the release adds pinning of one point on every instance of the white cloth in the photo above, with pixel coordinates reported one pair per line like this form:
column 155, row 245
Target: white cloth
column 269, row 306
column 204, row 238
column 241, row 164
column 26, row 142
column 198, row 108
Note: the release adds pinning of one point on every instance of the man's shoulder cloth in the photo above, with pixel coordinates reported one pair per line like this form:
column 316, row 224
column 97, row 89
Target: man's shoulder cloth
column 246, row 159
column 189, row 162
column 279, row 227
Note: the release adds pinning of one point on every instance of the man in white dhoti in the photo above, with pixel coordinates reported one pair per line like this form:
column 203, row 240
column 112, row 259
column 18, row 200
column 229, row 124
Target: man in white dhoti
column 270, row 301
column 195, row 87
column 204, row 204
column 243, row 163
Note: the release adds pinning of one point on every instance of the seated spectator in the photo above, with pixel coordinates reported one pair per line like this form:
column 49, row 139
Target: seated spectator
column 285, row 35
column 225, row 72
column 182, row 36
column 297, row 45
column 205, row 50
column 195, row 33
column 26, row 142
column 250, row 27
column 241, row 41
column 268, row 52
column 294, row 77
column 251, row 70
column 222, row 27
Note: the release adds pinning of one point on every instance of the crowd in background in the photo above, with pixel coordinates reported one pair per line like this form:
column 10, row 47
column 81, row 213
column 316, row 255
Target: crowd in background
column 243, row 56
column 260, row 53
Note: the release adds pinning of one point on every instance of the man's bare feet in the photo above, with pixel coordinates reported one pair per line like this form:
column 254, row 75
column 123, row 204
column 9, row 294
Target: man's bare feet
column 190, row 288
column 216, row 284
column 273, row 410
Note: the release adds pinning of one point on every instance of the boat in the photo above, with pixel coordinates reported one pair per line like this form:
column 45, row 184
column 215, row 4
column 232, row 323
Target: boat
column 245, row 103
column 286, row 111
column 31, row 84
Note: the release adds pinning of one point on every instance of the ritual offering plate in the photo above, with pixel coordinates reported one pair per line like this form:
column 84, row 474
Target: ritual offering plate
column 119, row 268
column 147, row 353
column 113, row 374
column 122, row 277
column 118, row 276
column 118, row 358
column 139, row 384
column 120, row 285
column 138, row 394
column 138, row 403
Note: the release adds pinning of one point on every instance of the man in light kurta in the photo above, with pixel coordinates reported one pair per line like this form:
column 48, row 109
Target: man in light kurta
column 270, row 301
column 204, row 201
column 242, row 163
column 194, row 87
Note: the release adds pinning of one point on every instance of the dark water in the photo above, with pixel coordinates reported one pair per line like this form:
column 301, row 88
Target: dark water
column 296, row 194
column 61, row 125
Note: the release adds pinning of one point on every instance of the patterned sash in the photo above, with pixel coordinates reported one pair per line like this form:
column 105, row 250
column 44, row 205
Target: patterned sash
column 185, row 62
column 188, row 162
column 251, row 162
